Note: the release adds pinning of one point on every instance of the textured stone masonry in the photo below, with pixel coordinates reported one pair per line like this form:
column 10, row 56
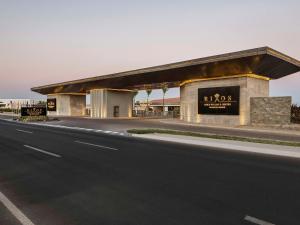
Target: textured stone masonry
column 270, row 110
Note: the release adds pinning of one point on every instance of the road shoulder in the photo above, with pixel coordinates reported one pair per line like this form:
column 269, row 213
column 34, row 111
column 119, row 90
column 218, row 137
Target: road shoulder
column 277, row 150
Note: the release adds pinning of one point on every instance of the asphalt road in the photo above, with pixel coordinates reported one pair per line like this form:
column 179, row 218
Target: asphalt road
column 65, row 177
column 123, row 124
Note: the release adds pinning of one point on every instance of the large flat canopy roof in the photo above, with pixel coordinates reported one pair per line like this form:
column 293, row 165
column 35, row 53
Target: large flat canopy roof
column 259, row 61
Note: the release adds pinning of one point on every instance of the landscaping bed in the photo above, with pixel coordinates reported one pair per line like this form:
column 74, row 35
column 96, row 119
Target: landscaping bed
column 295, row 116
column 213, row 136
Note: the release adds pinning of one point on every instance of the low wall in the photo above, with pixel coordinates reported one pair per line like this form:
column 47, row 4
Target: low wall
column 270, row 110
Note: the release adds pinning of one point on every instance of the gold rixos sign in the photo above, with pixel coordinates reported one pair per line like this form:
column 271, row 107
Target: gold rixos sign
column 219, row 100
column 33, row 111
column 51, row 104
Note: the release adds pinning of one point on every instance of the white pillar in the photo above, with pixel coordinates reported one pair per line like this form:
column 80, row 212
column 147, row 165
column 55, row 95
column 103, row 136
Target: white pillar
column 99, row 103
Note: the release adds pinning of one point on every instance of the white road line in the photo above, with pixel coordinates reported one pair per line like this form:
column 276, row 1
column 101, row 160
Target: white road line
column 14, row 210
column 80, row 128
column 24, row 131
column 107, row 131
column 42, row 151
column 99, row 146
column 257, row 221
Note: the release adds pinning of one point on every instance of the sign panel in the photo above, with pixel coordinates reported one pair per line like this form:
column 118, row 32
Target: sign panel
column 51, row 104
column 219, row 100
column 33, row 111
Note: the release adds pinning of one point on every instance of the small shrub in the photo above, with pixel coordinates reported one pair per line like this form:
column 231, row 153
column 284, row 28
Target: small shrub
column 33, row 118
column 2, row 110
column 295, row 114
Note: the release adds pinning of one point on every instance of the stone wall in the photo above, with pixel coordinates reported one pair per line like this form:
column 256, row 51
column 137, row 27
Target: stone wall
column 249, row 87
column 68, row 105
column 78, row 105
column 270, row 110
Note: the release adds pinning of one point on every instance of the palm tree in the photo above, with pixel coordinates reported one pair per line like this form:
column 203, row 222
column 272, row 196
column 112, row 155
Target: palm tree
column 135, row 92
column 148, row 91
column 164, row 90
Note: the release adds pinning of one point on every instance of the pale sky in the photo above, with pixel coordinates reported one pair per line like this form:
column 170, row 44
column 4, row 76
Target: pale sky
column 44, row 42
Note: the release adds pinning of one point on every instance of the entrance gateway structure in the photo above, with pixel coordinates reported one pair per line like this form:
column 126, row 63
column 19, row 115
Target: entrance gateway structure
column 231, row 89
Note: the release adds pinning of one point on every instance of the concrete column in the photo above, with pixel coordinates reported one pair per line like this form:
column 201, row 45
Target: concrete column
column 105, row 101
column 68, row 104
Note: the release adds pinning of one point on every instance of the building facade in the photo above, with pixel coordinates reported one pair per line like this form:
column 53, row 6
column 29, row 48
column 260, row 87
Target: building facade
column 16, row 103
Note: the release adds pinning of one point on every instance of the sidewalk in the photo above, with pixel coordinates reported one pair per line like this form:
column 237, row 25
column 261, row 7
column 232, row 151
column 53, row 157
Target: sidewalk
column 267, row 149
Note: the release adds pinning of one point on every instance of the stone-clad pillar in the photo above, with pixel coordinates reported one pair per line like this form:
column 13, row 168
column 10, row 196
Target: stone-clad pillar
column 250, row 86
column 68, row 104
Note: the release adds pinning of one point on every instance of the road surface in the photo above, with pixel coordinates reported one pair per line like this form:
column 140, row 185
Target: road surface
column 65, row 177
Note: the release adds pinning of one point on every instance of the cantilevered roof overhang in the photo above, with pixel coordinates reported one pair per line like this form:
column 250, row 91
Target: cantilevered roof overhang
column 264, row 62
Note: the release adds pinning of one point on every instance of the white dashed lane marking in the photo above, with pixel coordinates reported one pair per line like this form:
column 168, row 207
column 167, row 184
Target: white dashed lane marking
column 95, row 145
column 107, row 131
column 24, row 131
column 257, row 221
column 83, row 129
column 42, row 151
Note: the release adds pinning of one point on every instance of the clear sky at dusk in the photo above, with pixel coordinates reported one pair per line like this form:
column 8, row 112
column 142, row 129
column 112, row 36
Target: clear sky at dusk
column 44, row 42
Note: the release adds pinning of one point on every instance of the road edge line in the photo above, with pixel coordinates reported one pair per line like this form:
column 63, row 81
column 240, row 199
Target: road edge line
column 17, row 213
column 257, row 221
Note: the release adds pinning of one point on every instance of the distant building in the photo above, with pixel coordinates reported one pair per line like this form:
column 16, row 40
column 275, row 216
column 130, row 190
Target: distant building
column 16, row 103
column 156, row 105
column 169, row 104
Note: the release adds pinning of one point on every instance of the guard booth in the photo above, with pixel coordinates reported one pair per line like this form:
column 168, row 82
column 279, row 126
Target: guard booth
column 116, row 111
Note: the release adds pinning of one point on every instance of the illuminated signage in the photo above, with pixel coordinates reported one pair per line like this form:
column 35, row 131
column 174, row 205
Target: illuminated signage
column 33, row 111
column 51, row 104
column 219, row 100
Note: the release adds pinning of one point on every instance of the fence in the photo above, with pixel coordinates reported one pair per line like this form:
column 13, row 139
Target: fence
column 153, row 114
column 295, row 114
